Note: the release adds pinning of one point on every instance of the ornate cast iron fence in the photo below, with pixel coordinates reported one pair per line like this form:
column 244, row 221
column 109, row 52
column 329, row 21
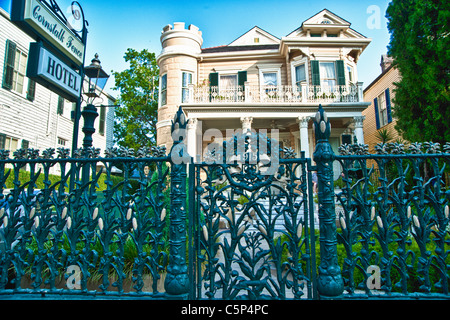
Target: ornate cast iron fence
column 394, row 226
column 107, row 236
column 252, row 221
column 239, row 225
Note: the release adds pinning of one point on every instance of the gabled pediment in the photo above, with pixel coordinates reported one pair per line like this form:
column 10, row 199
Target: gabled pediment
column 255, row 36
column 326, row 17
column 327, row 21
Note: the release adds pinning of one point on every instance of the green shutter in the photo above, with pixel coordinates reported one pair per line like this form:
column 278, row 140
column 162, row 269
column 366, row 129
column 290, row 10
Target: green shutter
column 25, row 144
column 242, row 78
column 213, row 82
column 377, row 117
column 31, row 90
column 8, row 69
column 388, row 105
column 2, row 141
column 101, row 128
column 340, row 72
column 213, row 79
column 60, row 109
column 315, row 73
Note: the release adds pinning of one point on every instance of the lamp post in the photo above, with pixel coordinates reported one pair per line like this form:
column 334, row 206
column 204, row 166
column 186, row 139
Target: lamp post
column 97, row 81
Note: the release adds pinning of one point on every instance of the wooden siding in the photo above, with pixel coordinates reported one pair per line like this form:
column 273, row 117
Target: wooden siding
column 38, row 121
column 374, row 90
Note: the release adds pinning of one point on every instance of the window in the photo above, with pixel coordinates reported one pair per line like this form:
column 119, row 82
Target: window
column 8, row 143
column 15, row 68
column 256, row 40
column 316, row 35
column 300, row 74
column 227, row 81
column 382, row 109
column 350, row 73
column 327, row 74
column 62, row 142
column 382, row 104
column 270, row 78
column 186, row 80
column 163, row 90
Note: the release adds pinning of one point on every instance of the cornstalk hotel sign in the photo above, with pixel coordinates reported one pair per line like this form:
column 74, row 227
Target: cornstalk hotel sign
column 38, row 19
column 43, row 65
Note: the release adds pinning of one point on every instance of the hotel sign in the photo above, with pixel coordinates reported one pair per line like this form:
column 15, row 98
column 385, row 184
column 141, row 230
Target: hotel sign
column 51, row 72
column 40, row 21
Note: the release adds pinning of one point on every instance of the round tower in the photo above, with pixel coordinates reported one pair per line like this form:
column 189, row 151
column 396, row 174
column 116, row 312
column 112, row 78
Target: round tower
column 181, row 47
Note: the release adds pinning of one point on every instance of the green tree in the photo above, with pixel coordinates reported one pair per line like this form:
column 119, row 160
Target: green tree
column 137, row 113
column 419, row 44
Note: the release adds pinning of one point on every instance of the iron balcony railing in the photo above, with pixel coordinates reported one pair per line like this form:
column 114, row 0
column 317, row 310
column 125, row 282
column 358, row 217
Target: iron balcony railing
column 275, row 94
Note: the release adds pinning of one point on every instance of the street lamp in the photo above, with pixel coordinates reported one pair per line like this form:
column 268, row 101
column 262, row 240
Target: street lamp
column 97, row 81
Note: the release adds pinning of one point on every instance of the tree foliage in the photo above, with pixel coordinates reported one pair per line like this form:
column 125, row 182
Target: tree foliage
column 137, row 113
column 419, row 44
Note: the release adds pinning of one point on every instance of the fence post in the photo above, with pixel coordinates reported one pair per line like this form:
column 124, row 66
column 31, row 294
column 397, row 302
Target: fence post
column 176, row 283
column 329, row 282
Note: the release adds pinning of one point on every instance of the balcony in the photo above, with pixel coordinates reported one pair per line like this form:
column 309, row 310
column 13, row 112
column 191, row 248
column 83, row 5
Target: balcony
column 275, row 94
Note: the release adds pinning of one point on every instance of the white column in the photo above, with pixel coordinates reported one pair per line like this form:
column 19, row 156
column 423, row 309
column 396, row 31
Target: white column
column 304, row 139
column 246, row 124
column 359, row 132
column 192, row 137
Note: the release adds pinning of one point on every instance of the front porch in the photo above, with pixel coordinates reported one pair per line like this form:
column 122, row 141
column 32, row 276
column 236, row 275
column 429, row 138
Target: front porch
column 290, row 124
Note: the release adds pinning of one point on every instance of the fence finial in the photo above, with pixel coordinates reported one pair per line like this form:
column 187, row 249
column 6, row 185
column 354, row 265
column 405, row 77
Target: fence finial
column 321, row 124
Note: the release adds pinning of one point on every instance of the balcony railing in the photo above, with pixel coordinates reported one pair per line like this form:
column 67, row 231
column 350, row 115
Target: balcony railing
column 275, row 94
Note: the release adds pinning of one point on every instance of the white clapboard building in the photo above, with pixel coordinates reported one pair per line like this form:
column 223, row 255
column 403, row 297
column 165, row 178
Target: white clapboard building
column 32, row 116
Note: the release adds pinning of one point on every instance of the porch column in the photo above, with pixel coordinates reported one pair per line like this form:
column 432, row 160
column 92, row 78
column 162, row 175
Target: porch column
column 192, row 138
column 359, row 133
column 304, row 139
column 246, row 124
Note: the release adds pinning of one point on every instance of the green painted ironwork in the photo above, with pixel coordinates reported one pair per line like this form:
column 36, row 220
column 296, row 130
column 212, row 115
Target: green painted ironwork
column 240, row 225
column 395, row 216
column 329, row 283
column 252, row 228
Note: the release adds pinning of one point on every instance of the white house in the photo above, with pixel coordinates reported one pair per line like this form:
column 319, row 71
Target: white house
column 31, row 116
column 261, row 81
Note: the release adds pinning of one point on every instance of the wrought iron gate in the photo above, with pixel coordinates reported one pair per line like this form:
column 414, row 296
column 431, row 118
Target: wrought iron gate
column 253, row 222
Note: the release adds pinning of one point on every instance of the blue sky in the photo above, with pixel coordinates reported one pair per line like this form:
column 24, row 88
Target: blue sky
column 115, row 25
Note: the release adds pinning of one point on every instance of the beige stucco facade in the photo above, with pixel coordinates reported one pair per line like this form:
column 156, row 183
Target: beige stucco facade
column 263, row 82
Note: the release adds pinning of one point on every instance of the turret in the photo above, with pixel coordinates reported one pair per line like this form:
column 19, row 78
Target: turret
column 177, row 63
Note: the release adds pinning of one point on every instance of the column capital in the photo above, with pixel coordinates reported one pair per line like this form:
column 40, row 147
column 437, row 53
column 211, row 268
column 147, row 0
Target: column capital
column 246, row 120
column 246, row 123
column 358, row 121
column 192, row 123
column 303, row 121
